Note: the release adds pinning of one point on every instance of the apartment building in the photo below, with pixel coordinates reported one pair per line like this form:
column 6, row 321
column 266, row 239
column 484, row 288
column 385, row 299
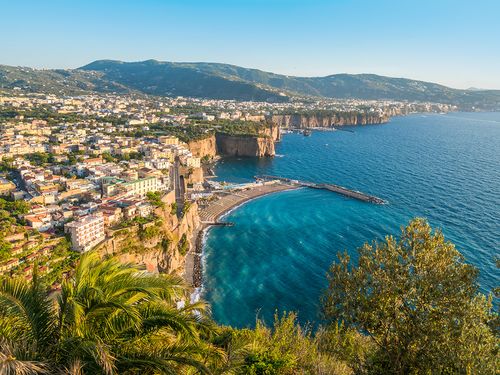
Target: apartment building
column 86, row 232
column 138, row 187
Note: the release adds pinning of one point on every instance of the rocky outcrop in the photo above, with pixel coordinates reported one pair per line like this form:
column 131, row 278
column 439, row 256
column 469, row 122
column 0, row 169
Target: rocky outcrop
column 203, row 147
column 249, row 145
column 164, row 252
column 191, row 175
column 239, row 145
column 325, row 120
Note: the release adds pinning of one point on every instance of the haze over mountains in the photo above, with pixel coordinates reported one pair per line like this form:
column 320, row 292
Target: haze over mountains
column 223, row 81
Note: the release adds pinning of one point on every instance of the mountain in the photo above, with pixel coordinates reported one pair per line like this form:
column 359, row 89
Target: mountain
column 184, row 79
column 223, row 81
column 57, row 81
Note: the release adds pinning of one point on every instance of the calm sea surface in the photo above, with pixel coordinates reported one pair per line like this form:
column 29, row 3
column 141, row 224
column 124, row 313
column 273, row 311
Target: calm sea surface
column 442, row 167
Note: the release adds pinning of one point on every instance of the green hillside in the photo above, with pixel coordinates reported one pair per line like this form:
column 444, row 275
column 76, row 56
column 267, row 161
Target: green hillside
column 223, row 81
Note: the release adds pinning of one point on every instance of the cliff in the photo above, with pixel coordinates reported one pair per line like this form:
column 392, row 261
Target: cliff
column 231, row 145
column 159, row 246
column 249, row 145
column 325, row 120
column 204, row 147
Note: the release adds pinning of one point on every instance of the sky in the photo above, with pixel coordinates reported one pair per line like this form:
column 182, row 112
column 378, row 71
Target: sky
column 456, row 43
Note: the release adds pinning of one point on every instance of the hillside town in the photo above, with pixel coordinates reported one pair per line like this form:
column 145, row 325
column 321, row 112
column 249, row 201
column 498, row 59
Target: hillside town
column 75, row 168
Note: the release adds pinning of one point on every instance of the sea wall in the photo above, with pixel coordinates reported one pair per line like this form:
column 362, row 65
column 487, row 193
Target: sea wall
column 328, row 119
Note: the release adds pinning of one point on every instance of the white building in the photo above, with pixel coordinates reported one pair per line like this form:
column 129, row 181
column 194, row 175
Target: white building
column 138, row 187
column 86, row 232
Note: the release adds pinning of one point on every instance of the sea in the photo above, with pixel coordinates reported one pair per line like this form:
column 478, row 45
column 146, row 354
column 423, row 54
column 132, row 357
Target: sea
column 444, row 167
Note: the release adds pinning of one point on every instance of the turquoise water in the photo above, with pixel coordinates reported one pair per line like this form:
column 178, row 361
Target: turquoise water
column 443, row 167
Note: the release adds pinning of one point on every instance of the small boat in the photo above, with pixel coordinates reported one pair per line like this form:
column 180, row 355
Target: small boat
column 307, row 133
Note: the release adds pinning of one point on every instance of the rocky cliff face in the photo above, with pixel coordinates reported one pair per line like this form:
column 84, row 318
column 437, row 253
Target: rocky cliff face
column 164, row 252
column 231, row 145
column 259, row 146
column 328, row 120
column 204, row 147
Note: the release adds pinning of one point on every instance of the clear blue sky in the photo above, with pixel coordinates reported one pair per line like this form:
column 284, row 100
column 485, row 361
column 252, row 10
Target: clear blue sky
column 456, row 43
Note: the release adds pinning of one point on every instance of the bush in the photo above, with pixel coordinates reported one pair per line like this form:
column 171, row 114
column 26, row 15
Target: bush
column 183, row 245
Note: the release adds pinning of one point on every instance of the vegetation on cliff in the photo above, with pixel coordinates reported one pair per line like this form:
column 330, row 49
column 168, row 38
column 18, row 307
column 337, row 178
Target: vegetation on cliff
column 199, row 130
column 407, row 306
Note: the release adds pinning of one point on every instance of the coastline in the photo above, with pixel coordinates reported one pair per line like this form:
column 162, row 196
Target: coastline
column 210, row 216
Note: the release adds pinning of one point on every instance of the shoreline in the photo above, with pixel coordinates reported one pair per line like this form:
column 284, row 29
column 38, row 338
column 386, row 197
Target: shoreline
column 214, row 211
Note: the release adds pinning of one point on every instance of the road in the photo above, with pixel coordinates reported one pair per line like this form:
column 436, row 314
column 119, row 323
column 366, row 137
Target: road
column 179, row 187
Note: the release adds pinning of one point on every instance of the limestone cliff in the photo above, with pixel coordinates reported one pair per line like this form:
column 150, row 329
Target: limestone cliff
column 325, row 120
column 165, row 250
column 239, row 145
column 204, row 147
column 249, row 145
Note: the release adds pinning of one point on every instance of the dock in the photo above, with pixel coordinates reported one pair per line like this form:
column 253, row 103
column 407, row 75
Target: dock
column 324, row 186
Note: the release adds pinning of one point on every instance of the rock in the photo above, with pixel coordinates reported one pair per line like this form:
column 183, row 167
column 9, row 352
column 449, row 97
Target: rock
column 325, row 120
column 204, row 147
column 231, row 145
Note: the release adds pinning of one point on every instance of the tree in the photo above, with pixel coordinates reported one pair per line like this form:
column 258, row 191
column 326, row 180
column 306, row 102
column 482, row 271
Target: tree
column 155, row 199
column 419, row 303
column 285, row 348
column 5, row 249
column 108, row 319
column 108, row 157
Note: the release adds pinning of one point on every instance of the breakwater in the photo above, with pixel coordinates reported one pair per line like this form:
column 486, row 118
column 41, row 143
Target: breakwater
column 331, row 187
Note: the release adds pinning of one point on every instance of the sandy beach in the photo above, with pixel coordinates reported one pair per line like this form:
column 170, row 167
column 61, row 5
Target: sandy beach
column 212, row 212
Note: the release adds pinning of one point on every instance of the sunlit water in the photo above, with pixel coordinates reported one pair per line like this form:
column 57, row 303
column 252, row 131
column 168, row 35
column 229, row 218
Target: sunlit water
column 442, row 167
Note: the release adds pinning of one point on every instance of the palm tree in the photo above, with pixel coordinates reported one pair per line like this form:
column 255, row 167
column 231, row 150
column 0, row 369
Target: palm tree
column 108, row 318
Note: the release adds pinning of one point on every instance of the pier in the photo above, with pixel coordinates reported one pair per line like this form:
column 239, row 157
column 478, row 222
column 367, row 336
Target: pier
column 330, row 187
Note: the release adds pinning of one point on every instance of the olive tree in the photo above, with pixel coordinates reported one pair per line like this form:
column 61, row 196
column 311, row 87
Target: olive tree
column 418, row 301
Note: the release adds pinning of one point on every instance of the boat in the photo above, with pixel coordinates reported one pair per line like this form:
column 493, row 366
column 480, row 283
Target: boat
column 307, row 133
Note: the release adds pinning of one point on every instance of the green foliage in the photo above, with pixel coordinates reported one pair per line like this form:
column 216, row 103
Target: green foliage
column 40, row 158
column 183, row 245
column 5, row 248
column 129, row 156
column 418, row 302
column 15, row 208
column 241, row 128
column 410, row 306
column 107, row 157
column 150, row 232
column 165, row 243
column 285, row 348
column 10, row 222
column 173, row 208
column 155, row 199
column 108, row 319
column 267, row 364
column 6, row 164
column 186, row 207
column 62, row 248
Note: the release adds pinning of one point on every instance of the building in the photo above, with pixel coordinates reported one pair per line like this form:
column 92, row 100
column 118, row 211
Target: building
column 138, row 187
column 168, row 140
column 86, row 232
